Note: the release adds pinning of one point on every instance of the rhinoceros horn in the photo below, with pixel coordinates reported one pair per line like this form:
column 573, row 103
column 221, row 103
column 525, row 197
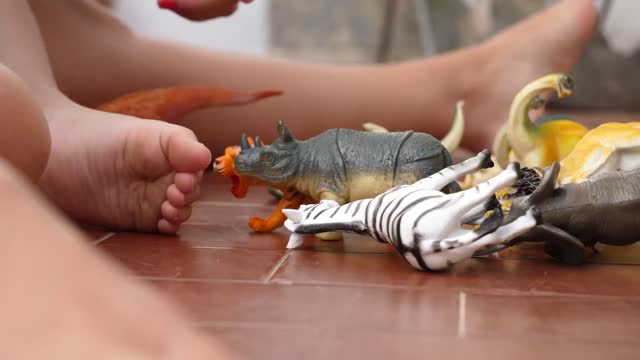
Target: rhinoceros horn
column 285, row 134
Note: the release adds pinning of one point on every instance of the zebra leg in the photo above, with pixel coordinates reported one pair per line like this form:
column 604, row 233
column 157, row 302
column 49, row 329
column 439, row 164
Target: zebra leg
column 430, row 239
column 462, row 238
column 524, row 224
column 474, row 216
column 327, row 216
column 465, row 201
column 448, row 175
column 298, row 216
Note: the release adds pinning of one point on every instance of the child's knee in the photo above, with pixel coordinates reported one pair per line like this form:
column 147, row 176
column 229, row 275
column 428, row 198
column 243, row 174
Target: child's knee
column 24, row 133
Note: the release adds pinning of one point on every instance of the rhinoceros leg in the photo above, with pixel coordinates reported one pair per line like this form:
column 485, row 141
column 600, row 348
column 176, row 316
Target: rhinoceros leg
column 561, row 245
column 333, row 235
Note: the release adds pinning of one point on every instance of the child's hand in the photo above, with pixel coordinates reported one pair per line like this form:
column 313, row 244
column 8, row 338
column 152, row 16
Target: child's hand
column 199, row 10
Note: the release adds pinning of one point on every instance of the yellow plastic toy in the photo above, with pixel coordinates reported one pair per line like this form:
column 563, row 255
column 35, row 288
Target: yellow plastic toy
column 608, row 147
column 533, row 144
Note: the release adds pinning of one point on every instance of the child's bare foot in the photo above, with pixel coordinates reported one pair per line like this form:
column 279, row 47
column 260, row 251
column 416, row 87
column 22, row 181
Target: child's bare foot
column 122, row 172
column 62, row 300
column 551, row 41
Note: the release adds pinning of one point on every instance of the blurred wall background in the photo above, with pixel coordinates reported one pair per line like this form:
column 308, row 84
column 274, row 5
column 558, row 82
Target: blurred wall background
column 365, row 31
column 608, row 75
column 247, row 31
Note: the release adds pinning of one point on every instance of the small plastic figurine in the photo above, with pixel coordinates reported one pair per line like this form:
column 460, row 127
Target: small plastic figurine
column 423, row 223
column 533, row 143
column 169, row 104
column 540, row 143
column 340, row 164
column 604, row 208
column 225, row 166
column 608, row 147
column 343, row 165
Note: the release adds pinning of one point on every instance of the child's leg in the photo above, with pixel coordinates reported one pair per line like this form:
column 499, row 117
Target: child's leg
column 24, row 138
column 63, row 300
column 418, row 95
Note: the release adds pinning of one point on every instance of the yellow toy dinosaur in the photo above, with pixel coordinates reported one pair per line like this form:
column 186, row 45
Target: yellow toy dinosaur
column 608, row 147
column 532, row 144
column 537, row 144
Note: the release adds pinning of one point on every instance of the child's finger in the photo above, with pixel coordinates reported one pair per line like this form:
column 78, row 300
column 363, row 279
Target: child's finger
column 198, row 10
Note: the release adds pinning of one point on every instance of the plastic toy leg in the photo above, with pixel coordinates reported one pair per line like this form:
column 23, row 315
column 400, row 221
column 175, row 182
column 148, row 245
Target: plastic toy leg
column 474, row 216
column 465, row 201
column 462, row 238
column 430, row 238
column 562, row 245
column 334, row 235
column 522, row 225
column 290, row 200
column 449, row 175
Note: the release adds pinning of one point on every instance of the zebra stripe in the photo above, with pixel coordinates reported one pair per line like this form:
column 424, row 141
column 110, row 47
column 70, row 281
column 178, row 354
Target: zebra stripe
column 408, row 216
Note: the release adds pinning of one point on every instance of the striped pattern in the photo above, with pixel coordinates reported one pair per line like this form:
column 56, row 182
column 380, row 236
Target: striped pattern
column 419, row 220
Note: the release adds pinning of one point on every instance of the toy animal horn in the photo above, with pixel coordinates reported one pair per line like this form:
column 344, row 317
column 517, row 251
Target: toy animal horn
column 244, row 144
column 285, row 134
column 547, row 185
column 258, row 142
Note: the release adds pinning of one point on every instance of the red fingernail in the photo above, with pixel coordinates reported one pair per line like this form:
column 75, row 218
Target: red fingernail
column 168, row 4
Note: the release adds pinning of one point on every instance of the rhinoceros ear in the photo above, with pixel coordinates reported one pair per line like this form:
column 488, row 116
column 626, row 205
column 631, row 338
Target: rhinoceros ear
column 244, row 143
column 285, row 134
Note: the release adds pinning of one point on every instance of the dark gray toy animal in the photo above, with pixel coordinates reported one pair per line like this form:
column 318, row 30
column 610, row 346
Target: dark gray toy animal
column 604, row 209
column 341, row 164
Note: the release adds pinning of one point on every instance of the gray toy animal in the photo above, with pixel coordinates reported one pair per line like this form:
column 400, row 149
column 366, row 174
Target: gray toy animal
column 603, row 209
column 343, row 165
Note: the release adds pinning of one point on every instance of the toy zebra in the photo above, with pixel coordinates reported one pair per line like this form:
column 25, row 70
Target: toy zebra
column 425, row 225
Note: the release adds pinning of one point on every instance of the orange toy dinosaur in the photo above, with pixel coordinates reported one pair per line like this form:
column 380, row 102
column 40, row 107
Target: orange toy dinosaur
column 291, row 199
column 169, row 104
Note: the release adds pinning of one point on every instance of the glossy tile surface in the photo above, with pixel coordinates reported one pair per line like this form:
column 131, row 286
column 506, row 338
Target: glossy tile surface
column 357, row 298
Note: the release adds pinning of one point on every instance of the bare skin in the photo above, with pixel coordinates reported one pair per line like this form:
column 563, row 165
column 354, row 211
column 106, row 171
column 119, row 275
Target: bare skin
column 52, row 310
column 24, row 139
column 47, row 300
column 138, row 175
column 144, row 175
column 417, row 95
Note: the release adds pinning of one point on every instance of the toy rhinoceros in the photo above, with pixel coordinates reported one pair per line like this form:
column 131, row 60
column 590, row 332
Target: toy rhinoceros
column 341, row 164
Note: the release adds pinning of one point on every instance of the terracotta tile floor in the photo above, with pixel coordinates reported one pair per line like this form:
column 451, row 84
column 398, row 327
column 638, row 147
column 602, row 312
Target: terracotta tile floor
column 357, row 299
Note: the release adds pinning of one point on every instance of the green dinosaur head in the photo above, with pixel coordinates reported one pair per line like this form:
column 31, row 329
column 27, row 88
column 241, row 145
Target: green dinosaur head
column 275, row 163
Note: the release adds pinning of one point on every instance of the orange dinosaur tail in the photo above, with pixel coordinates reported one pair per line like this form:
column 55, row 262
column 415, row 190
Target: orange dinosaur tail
column 169, row 104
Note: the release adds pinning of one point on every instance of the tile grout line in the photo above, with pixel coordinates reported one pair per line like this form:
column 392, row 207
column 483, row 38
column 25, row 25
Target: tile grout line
column 196, row 280
column 462, row 314
column 275, row 268
column 103, row 238
column 232, row 204
column 481, row 292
